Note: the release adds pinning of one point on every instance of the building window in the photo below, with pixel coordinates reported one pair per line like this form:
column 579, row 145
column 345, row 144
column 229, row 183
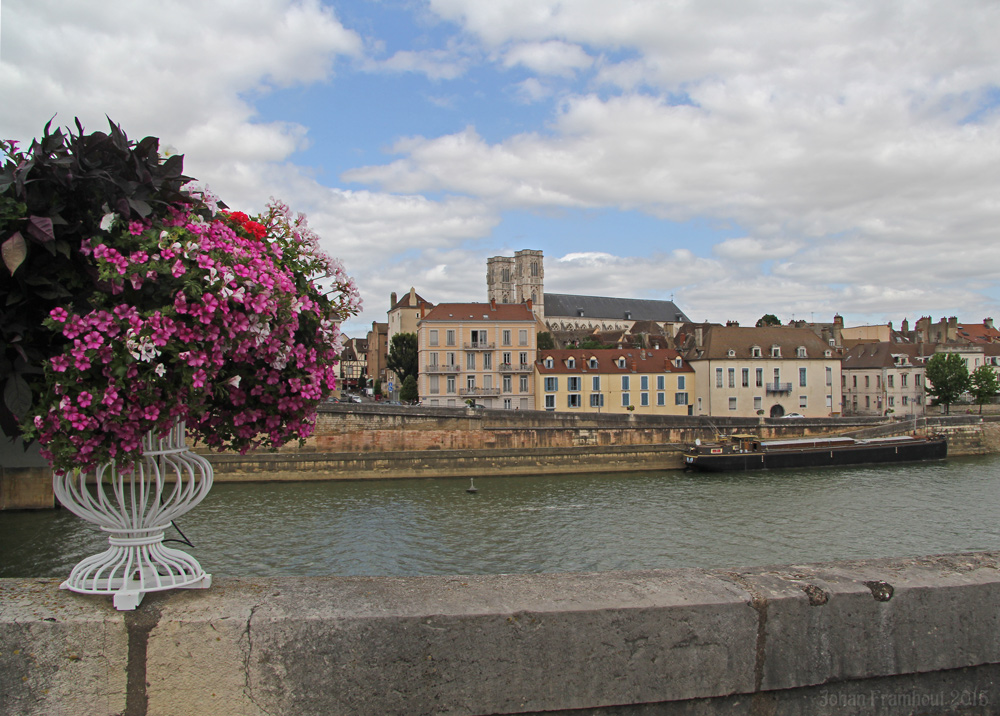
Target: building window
column 595, row 383
column 507, row 404
column 802, row 401
column 661, row 398
column 906, row 400
column 661, row 382
column 524, row 359
column 626, row 400
column 433, row 336
column 644, row 399
column 596, row 400
column 916, row 380
column 755, row 352
column 745, row 375
column 760, row 377
column 902, row 380
column 433, row 357
column 644, row 382
column 625, row 382
column 681, row 399
column 487, row 382
column 449, row 337
column 435, row 386
column 681, row 383
column 470, row 382
column 507, row 388
column 718, row 377
column 574, row 401
column 878, row 381
column 451, row 384
column 522, row 337
column 776, row 351
column 573, row 383
column 758, row 403
column 505, row 335
column 891, row 379
column 548, row 361
column 550, row 402
column 478, row 338
column 470, row 361
column 487, row 361
column 802, row 377
column 592, row 363
column 551, row 385
column 892, row 401
column 450, row 358
column 732, row 377
column 868, row 401
column 571, row 362
column 732, row 403
column 829, row 376
column 800, row 352
column 867, row 381
column 854, row 383
column 524, row 384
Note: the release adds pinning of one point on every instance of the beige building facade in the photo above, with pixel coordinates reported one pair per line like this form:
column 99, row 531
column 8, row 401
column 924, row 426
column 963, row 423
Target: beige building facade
column 884, row 379
column 608, row 380
column 770, row 371
column 479, row 352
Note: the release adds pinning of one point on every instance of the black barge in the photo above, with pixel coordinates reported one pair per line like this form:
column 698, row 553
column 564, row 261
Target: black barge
column 748, row 452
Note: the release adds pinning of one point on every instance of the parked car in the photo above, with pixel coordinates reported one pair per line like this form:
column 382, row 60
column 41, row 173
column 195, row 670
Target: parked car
column 793, row 415
column 355, row 398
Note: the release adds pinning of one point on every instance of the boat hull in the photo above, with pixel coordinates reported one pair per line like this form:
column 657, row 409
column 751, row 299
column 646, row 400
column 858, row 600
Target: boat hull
column 861, row 454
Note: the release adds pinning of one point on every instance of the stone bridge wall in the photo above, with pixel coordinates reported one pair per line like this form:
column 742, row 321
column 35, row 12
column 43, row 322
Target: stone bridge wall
column 887, row 637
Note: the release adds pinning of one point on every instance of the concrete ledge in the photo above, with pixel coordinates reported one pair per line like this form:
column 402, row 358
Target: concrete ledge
column 873, row 636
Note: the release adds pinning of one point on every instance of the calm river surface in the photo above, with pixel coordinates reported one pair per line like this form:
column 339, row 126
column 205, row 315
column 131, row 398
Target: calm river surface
column 557, row 524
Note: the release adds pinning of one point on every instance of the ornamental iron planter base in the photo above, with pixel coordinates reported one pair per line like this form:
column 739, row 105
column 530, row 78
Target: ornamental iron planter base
column 135, row 507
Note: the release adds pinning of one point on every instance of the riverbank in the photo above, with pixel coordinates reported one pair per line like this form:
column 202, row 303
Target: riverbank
column 382, row 442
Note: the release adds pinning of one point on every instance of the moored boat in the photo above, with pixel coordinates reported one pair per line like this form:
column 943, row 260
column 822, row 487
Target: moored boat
column 748, row 452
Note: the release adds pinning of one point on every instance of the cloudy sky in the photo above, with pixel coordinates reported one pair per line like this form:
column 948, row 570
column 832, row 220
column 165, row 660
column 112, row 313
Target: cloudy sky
column 791, row 157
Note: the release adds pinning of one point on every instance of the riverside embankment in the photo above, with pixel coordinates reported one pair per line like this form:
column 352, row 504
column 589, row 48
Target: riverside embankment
column 376, row 441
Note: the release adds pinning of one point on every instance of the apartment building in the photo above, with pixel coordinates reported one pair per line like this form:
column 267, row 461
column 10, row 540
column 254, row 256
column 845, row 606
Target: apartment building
column 769, row 371
column 884, row 378
column 483, row 352
column 610, row 380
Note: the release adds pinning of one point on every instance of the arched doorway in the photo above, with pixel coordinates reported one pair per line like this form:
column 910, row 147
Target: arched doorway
column 777, row 411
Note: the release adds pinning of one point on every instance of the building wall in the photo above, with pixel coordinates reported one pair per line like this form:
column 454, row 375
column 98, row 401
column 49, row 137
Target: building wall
column 819, row 397
column 446, row 370
column 876, row 391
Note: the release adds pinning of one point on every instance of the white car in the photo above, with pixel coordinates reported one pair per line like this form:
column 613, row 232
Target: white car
column 793, row 415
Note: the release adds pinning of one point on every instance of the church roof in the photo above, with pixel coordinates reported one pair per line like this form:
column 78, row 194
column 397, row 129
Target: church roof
column 633, row 309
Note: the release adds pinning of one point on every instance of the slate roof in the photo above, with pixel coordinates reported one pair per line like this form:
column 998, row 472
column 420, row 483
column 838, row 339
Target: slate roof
column 568, row 305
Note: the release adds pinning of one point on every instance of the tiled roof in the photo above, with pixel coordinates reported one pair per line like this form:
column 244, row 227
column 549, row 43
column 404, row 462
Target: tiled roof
column 453, row 312
column 719, row 340
column 404, row 301
column 637, row 360
column 562, row 304
column 978, row 333
column 881, row 355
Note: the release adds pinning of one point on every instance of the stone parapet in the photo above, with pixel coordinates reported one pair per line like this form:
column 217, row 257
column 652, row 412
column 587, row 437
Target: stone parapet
column 888, row 636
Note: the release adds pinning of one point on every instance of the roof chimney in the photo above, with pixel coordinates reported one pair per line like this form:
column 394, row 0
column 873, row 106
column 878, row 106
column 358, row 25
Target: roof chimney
column 493, row 304
column 392, row 300
column 413, row 296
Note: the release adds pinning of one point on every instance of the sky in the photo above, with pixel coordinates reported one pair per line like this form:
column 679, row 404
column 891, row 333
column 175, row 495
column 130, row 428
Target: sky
column 796, row 157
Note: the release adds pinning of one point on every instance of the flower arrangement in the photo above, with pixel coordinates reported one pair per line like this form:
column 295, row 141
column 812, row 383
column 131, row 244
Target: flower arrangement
column 187, row 312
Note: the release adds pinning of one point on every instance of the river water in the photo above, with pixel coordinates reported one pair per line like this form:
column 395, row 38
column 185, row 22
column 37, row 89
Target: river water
column 557, row 524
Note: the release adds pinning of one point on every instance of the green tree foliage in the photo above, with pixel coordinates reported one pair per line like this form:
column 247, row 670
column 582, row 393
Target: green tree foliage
column 984, row 384
column 592, row 344
column 947, row 377
column 408, row 393
column 545, row 342
column 768, row 319
column 403, row 356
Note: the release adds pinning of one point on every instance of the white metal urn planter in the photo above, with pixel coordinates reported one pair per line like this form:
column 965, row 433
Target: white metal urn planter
column 135, row 508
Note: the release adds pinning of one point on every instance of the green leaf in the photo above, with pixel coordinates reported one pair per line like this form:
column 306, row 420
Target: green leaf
column 14, row 251
column 17, row 395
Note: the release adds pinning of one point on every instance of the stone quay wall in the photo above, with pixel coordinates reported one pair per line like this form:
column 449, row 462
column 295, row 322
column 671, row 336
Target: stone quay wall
column 880, row 636
column 376, row 441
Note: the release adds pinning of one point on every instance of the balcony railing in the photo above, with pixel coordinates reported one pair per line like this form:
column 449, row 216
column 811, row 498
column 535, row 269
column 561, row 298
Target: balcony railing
column 480, row 346
column 479, row 391
column 516, row 367
column 435, row 368
column 778, row 387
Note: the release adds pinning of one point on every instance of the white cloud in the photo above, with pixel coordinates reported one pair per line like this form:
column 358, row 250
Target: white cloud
column 548, row 58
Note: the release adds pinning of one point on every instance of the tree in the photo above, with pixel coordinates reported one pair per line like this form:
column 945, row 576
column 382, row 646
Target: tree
column 984, row 384
column 947, row 378
column 545, row 342
column 408, row 393
column 768, row 319
column 402, row 358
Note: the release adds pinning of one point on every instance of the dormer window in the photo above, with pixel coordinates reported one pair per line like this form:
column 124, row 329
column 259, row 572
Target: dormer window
column 755, row 352
column 776, row 351
column 592, row 363
column 678, row 363
column 731, row 353
column 800, row 352
column 549, row 363
column 621, row 362
column 571, row 362
column 827, row 353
